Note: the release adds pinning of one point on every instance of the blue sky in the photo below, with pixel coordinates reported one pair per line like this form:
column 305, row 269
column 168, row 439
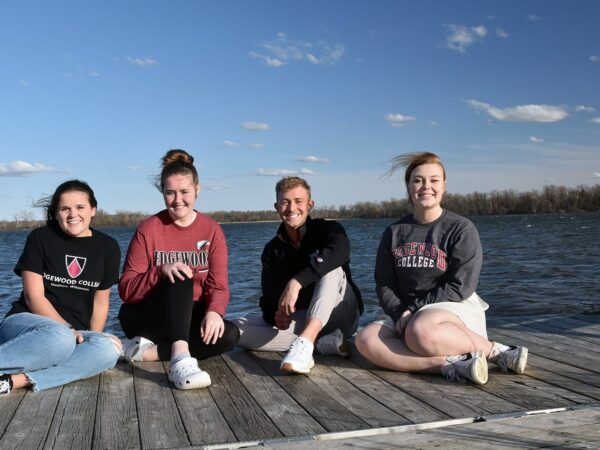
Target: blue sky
column 506, row 92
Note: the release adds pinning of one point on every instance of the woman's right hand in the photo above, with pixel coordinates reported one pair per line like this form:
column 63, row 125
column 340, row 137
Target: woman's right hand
column 176, row 270
column 403, row 321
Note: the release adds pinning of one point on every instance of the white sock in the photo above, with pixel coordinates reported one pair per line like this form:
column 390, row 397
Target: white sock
column 497, row 348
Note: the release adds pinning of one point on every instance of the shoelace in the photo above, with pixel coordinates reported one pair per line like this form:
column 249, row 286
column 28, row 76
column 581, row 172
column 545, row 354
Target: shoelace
column 299, row 347
column 4, row 387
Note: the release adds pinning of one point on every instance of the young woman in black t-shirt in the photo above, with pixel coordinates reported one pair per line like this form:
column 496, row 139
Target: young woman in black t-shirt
column 53, row 333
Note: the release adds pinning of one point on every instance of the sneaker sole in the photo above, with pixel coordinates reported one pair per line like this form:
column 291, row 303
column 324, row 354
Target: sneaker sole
column 522, row 362
column 289, row 368
column 479, row 370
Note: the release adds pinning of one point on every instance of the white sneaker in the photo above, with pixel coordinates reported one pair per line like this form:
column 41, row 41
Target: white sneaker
column 133, row 349
column 185, row 374
column 333, row 344
column 5, row 384
column 471, row 366
column 515, row 359
column 299, row 358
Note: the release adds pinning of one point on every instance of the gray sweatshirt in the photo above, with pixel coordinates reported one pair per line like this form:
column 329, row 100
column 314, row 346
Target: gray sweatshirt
column 422, row 264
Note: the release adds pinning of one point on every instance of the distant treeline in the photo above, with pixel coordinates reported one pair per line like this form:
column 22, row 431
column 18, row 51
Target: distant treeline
column 551, row 199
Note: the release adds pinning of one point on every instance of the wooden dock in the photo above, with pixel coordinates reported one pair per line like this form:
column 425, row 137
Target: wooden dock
column 342, row 403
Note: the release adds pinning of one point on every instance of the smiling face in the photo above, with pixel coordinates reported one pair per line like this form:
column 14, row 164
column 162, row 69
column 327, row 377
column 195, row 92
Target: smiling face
column 293, row 207
column 179, row 194
column 74, row 213
column 426, row 188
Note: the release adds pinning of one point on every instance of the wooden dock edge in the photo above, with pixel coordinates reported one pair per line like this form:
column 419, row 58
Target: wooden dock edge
column 338, row 436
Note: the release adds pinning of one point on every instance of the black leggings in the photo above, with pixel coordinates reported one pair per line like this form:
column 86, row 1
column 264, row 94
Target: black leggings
column 169, row 314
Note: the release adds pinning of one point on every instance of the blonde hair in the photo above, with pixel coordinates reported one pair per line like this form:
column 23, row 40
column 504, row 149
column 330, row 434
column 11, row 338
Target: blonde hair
column 287, row 183
column 176, row 162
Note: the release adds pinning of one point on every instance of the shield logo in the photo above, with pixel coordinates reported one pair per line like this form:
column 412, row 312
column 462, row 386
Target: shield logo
column 75, row 265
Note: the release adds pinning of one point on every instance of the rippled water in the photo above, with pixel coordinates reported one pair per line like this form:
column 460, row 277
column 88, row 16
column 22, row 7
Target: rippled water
column 533, row 264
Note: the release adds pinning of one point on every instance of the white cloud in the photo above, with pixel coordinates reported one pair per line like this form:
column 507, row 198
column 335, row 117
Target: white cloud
column 230, row 144
column 282, row 50
column 535, row 139
column 399, row 120
column 94, row 73
column 594, row 58
column 22, row 82
column 533, row 17
column 24, row 169
column 595, row 120
column 134, row 168
column 501, row 33
column 141, row 62
column 314, row 159
column 523, row 113
column 583, row 108
column 286, row 172
column 255, row 126
column 596, row 175
column 462, row 37
column 255, row 146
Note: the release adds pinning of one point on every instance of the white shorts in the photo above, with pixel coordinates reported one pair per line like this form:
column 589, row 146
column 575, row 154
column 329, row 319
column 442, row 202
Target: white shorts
column 470, row 311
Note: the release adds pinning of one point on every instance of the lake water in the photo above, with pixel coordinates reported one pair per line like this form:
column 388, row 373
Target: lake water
column 533, row 264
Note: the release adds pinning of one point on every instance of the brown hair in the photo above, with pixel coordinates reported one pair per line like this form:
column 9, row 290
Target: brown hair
column 176, row 162
column 50, row 203
column 287, row 183
column 413, row 160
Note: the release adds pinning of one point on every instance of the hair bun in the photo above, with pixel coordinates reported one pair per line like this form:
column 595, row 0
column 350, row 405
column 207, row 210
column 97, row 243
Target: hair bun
column 177, row 156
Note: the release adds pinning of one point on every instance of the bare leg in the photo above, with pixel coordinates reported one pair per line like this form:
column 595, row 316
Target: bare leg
column 312, row 329
column 435, row 332
column 20, row 380
column 384, row 348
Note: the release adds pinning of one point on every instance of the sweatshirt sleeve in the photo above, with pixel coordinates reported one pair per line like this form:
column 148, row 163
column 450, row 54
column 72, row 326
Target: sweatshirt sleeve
column 464, row 261
column 335, row 253
column 216, row 288
column 386, row 284
column 139, row 275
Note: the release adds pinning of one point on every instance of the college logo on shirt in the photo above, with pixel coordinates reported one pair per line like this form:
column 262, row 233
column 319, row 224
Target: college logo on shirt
column 75, row 265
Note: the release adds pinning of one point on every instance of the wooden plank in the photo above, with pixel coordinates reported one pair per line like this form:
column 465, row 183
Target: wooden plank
column 395, row 399
column 286, row 414
column 546, row 348
column 350, row 397
column 564, row 429
column 552, row 366
column 562, row 381
column 317, row 402
column 560, row 340
column 8, row 407
column 451, row 398
column 117, row 425
column 243, row 414
column 72, row 425
column 201, row 417
column 530, row 393
column 29, row 426
column 159, row 420
column 567, row 326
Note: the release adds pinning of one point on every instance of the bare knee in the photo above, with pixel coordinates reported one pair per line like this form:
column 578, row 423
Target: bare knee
column 421, row 337
column 367, row 338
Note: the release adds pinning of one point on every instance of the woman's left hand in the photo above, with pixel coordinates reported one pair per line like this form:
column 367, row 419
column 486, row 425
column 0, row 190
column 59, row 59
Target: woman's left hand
column 212, row 327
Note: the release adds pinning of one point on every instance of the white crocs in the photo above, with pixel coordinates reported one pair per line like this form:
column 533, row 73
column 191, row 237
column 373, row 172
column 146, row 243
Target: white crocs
column 133, row 349
column 185, row 374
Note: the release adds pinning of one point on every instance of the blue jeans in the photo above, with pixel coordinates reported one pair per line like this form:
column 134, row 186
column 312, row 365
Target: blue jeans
column 47, row 353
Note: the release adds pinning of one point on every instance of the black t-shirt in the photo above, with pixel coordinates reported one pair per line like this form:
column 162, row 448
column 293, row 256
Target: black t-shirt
column 72, row 268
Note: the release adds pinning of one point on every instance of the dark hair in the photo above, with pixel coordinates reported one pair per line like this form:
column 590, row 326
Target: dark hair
column 50, row 203
column 287, row 183
column 176, row 162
